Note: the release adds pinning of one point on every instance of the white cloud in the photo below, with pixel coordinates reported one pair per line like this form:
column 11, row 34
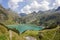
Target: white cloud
column 13, row 4
column 44, row 5
column 35, row 6
column 58, row 2
column 45, row 2
column 26, row 9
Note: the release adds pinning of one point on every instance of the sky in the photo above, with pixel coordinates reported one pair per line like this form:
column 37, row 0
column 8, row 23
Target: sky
column 28, row 6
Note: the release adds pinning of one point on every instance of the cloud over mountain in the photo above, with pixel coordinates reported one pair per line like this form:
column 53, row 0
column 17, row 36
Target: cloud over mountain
column 33, row 5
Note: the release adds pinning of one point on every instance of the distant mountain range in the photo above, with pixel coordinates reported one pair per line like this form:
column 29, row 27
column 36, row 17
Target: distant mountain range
column 38, row 15
column 7, row 15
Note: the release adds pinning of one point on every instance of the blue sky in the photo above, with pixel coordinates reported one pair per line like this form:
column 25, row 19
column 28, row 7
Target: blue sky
column 4, row 3
column 28, row 6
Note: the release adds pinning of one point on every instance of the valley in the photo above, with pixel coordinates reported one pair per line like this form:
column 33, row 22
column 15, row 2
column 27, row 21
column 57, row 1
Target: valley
column 41, row 25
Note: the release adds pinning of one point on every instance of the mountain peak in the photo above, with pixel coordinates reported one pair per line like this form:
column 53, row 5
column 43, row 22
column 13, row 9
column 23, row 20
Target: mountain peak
column 58, row 8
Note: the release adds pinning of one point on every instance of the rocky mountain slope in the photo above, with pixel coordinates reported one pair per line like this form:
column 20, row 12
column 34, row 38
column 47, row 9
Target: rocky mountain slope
column 8, row 16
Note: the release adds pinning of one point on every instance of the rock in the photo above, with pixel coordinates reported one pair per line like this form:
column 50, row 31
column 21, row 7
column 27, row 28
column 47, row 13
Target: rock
column 30, row 38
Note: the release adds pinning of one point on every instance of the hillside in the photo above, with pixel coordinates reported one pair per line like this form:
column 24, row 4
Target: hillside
column 40, row 18
column 5, row 34
column 52, row 34
column 48, row 34
column 8, row 16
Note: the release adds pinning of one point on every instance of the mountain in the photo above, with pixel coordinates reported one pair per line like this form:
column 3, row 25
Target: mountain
column 23, row 14
column 33, row 12
column 8, row 16
column 41, row 12
column 11, row 17
column 32, row 17
column 58, row 9
column 43, row 17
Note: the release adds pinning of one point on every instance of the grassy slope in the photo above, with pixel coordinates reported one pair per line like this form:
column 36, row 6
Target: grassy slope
column 4, row 34
column 48, row 34
column 51, row 34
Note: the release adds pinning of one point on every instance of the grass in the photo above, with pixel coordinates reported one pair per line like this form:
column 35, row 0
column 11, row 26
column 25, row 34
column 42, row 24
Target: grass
column 48, row 34
column 52, row 34
column 4, row 37
column 30, row 33
column 4, row 34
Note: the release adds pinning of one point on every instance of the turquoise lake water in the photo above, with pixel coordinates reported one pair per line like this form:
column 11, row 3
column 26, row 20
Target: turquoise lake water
column 23, row 27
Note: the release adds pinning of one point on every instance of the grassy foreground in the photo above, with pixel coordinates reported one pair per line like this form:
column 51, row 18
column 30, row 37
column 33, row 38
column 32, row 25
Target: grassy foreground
column 48, row 34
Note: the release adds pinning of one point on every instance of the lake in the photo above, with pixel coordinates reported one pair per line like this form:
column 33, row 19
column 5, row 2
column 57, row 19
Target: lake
column 23, row 27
